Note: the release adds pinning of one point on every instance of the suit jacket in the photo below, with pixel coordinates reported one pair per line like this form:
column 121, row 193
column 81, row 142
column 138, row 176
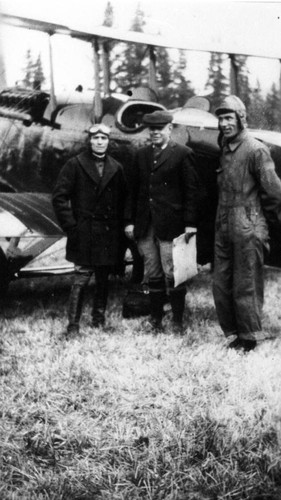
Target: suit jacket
column 163, row 192
column 90, row 209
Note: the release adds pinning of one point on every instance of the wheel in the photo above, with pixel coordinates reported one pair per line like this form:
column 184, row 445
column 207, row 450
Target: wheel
column 4, row 274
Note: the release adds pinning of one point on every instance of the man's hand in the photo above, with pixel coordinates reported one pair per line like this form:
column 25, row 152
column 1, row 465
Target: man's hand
column 129, row 231
column 189, row 232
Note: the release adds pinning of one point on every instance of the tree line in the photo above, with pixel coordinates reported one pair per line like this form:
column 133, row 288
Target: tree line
column 33, row 72
column 129, row 69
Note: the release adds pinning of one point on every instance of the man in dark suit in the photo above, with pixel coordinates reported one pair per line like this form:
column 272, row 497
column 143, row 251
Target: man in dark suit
column 88, row 200
column 163, row 205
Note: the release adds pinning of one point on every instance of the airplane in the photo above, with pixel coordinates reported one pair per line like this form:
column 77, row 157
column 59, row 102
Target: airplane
column 40, row 130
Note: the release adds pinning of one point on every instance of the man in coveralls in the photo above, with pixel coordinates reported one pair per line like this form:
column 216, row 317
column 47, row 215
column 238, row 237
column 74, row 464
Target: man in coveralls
column 248, row 188
column 88, row 200
column 163, row 206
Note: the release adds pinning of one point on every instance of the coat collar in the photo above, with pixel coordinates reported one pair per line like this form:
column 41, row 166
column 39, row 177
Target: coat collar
column 110, row 168
column 235, row 143
column 166, row 153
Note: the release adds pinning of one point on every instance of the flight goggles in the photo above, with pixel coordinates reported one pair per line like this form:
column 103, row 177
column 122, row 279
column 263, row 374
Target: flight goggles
column 99, row 128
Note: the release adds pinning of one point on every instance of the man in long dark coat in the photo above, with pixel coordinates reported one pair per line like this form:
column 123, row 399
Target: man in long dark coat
column 88, row 200
column 163, row 206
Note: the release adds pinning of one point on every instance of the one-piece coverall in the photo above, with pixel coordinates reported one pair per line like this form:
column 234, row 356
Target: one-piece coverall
column 248, row 188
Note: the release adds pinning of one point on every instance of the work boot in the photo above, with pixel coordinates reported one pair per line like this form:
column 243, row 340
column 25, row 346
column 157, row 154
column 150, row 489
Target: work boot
column 72, row 331
column 249, row 345
column 98, row 312
column 156, row 324
column 177, row 299
column 98, row 318
column 177, row 327
column 100, row 297
column 157, row 294
column 242, row 345
column 236, row 344
column 75, row 309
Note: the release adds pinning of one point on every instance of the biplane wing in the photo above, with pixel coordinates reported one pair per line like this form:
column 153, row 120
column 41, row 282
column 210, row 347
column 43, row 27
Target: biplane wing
column 183, row 41
column 32, row 242
column 33, row 210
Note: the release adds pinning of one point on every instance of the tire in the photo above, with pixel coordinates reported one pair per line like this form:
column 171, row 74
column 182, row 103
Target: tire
column 4, row 275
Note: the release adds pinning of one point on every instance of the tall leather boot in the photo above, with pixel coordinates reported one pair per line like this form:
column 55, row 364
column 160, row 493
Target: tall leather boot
column 177, row 299
column 157, row 294
column 100, row 296
column 75, row 308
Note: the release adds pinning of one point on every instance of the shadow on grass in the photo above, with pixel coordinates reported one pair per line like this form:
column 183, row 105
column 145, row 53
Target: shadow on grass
column 50, row 294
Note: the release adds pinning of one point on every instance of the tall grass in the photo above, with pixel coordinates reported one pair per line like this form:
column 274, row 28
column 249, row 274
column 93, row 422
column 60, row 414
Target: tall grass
column 123, row 414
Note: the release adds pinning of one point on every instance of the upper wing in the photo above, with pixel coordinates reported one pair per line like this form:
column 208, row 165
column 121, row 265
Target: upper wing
column 178, row 41
column 33, row 210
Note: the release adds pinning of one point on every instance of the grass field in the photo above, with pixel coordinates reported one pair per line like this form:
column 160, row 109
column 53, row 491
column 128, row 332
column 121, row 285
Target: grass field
column 122, row 414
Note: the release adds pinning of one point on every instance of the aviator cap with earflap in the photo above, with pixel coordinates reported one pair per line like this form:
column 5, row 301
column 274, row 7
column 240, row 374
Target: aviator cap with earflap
column 99, row 128
column 233, row 104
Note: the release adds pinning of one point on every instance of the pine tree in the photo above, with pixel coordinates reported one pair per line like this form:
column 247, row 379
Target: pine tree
column 173, row 88
column 130, row 68
column 244, row 90
column 108, row 15
column 38, row 75
column 182, row 88
column 256, row 115
column 164, row 76
column 217, row 82
column 273, row 109
column 28, row 70
column 138, row 21
column 33, row 72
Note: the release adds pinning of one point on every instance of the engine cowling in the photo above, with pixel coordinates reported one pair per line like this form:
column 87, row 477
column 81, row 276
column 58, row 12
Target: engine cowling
column 129, row 116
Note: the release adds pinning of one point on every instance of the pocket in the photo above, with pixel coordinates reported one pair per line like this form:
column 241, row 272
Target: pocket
column 251, row 215
column 245, row 218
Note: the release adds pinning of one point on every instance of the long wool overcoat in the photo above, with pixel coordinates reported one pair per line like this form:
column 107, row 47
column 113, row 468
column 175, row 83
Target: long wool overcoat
column 164, row 192
column 89, row 209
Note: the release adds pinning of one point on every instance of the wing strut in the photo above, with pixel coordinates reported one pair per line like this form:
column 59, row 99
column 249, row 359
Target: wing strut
column 234, row 70
column 97, row 98
column 280, row 78
column 152, row 68
column 52, row 91
column 105, row 50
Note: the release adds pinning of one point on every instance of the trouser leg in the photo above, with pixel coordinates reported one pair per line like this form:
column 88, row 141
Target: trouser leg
column 248, row 289
column 81, row 279
column 177, row 300
column 154, row 276
column 138, row 264
column 100, row 295
column 157, row 294
column 223, row 285
column 176, row 295
column 150, row 254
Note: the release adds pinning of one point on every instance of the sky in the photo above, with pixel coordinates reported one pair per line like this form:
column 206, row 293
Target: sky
column 249, row 25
